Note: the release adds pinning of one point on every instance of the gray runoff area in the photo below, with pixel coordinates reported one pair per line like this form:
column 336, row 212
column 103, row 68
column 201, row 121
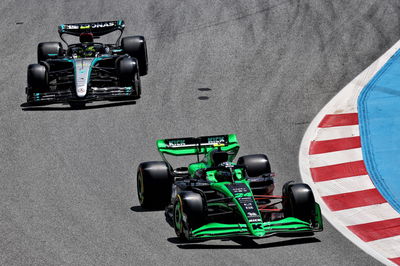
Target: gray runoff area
column 260, row 69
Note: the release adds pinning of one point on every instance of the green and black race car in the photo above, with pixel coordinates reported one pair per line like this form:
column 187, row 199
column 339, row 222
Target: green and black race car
column 216, row 198
column 87, row 71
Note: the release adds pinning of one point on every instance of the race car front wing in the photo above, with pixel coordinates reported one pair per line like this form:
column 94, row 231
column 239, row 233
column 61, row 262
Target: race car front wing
column 288, row 225
column 94, row 94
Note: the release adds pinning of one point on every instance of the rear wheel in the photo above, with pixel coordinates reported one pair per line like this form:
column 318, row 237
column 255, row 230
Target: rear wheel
column 154, row 185
column 188, row 214
column 136, row 47
column 255, row 164
column 47, row 50
column 298, row 201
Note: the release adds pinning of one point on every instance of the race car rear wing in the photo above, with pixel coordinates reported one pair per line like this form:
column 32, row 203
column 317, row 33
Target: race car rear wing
column 96, row 28
column 196, row 146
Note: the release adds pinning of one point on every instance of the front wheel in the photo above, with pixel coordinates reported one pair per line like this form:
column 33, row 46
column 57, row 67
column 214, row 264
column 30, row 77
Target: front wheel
column 128, row 73
column 38, row 78
column 179, row 224
column 298, row 201
column 189, row 213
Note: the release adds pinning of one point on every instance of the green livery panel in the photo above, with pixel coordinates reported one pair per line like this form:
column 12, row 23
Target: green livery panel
column 287, row 225
column 200, row 145
column 221, row 194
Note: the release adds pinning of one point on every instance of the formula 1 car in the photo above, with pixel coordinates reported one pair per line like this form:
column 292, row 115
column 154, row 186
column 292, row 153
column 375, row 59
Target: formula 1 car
column 216, row 198
column 87, row 71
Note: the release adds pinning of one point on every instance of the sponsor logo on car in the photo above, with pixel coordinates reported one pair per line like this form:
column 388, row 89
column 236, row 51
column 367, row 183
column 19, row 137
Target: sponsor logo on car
column 72, row 27
column 216, row 140
column 177, row 142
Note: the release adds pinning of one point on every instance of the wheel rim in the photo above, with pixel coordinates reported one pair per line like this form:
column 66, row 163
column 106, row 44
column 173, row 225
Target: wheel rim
column 140, row 187
column 178, row 221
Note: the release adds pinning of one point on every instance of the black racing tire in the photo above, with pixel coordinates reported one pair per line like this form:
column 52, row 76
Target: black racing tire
column 138, row 87
column 127, row 71
column 154, row 185
column 255, row 164
column 136, row 47
column 298, row 201
column 193, row 206
column 38, row 78
column 46, row 50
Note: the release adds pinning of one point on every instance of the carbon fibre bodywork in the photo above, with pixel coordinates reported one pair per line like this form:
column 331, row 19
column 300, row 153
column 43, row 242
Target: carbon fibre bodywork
column 82, row 80
column 87, row 71
column 227, row 202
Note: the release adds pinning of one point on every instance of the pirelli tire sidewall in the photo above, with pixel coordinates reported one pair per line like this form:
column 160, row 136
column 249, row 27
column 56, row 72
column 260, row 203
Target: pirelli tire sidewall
column 128, row 72
column 136, row 47
column 154, row 184
column 255, row 164
column 177, row 218
column 47, row 50
column 190, row 208
column 298, row 201
column 37, row 78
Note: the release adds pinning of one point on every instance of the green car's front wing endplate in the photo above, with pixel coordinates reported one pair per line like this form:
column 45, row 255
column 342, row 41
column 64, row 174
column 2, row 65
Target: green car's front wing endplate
column 289, row 225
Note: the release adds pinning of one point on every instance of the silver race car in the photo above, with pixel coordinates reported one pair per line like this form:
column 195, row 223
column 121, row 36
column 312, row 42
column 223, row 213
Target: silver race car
column 87, row 71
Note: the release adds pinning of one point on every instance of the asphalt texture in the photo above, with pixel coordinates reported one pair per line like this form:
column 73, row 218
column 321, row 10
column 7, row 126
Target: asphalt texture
column 260, row 69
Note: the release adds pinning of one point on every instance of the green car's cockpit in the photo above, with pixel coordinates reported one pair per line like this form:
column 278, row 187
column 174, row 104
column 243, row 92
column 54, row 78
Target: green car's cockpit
column 216, row 167
column 217, row 157
column 224, row 172
column 218, row 151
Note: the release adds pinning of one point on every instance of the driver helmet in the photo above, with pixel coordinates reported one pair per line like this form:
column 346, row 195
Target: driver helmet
column 86, row 37
column 218, row 157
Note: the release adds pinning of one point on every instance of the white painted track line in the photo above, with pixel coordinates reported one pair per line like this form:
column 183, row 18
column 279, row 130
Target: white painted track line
column 336, row 157
column 344, row 185
column 346, row 102
column 389, row 247
column 337, row 133
column 367, row 214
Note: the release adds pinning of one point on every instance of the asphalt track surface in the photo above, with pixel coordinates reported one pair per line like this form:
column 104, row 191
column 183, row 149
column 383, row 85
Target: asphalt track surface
column 260, row 69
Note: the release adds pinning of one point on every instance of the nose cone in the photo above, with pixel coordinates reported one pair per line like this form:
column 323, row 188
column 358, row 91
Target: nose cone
column 82, row 75
column 258, row 230
column 81, row 88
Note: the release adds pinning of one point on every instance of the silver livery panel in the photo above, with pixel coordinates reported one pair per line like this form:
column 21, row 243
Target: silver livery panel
column 82, row 75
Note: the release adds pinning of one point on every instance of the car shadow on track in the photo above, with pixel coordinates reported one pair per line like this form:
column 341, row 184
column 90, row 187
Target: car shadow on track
column 68, row 108
column 245, row 243
column 140, row 209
